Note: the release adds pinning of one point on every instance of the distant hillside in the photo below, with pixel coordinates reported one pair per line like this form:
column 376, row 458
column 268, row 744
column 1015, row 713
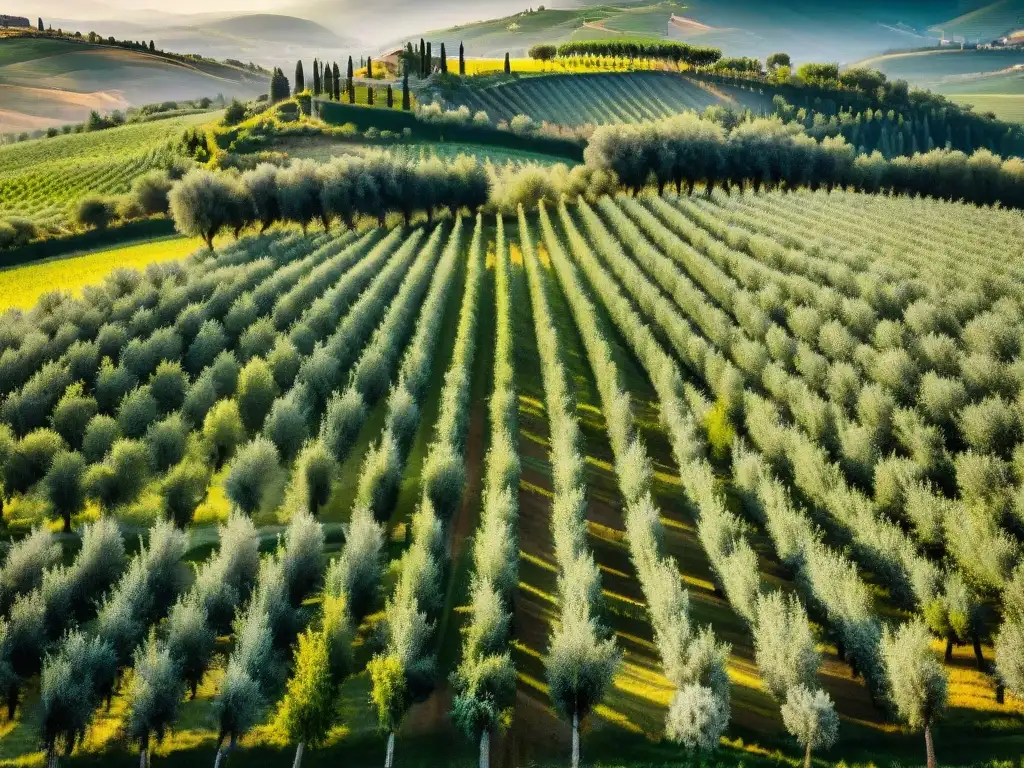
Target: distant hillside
column 47, row 83
column 988, row 22
column 273, row 27
column 807, row 29
column 989, row 80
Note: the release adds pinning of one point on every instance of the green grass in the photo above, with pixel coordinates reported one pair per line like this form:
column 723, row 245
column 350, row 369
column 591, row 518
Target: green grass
column 42, row 179
column 604, row 98
column 21, row 287
column 1005, row 106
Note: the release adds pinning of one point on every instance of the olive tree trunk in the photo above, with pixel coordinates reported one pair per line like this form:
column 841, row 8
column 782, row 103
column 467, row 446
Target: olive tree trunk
column 485, row 749
column 929, row 747
column 389, row 757
column 298, row 754
column 807, row 755
column 575, row 740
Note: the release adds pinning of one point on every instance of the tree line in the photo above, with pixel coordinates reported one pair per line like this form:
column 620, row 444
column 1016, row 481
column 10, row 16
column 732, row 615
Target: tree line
column 637, row 48
column 686, row 150
column 204, row 203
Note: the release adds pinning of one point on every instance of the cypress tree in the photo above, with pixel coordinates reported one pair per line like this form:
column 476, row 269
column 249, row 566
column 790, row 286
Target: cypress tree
column 391, row 97
column 328, row 82
column 351, row 71
column 152, row 46
column 405, row 92
column 316, row 78
column 40, row 23
column 369, row 68
column 423, row 58
column 508, row 64
column 337, row 82
column 462, row 60
column 430, row 60
column 369, row 95
column 300, row 79
column 444, row 61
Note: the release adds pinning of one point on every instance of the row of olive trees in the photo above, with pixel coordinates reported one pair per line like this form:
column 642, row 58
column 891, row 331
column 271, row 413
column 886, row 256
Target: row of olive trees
column 900, row 661
column 969, row 526
column 47, row 599
column 282, row 424
column 914, row 579
column 784, row 643
column 688, row 150
column 346, row 189
column 582, row 657
column 693, row 660
column 406, row 670
column 485, row 681
column 266, row 629
column 143, row 595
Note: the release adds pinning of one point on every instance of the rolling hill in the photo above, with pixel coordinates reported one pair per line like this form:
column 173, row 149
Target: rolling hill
column 989, row 21
column 990, row 80
column 50, row 82
column 807, row 30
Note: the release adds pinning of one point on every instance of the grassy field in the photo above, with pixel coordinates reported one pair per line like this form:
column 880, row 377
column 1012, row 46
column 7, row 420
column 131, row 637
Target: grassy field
column 21, row 287
column 41, row 179
column 80, row 77
column 600, row 99
column 689, row 269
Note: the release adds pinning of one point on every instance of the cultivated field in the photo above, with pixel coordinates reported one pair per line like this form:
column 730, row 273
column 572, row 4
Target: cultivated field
column 41, row 180
column 601, row 99
column 800, row 405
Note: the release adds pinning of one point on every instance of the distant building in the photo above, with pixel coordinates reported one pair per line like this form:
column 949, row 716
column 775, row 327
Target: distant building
column 14, row 21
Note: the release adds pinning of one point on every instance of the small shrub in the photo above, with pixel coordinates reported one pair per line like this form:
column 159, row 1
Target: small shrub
column 96, row 213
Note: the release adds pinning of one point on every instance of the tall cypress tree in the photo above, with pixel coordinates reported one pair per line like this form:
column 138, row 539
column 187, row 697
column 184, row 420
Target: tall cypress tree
column 316, row 78
column 337, row 82
column 430, row 60
column 423, row 58
column 369, row 95
column 391, row 97
column 328, row 82
column 369, row 67
column 462, row 60
column 508, row 65
column 406, row 106
column 152, row 46
column 444, row 61
column 40, row 23
column 300, row 79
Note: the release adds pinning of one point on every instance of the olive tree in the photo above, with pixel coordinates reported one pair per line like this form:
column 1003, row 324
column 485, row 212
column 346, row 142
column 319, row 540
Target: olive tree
column 190, row 639
column 154, row 696
column 308, row 708
column 918, row 685
column 580, row 666
column 251, row 474
column 313, row 477
column 64, row 485
column 70, row 689
column 27, row 562
column 223, row 431
column 203, row 203
column 811, row 718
